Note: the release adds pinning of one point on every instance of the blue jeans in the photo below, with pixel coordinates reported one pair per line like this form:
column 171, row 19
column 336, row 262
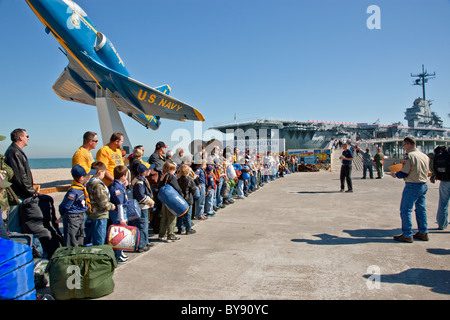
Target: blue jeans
column 253, row 181
column 209, row 202
column 231, row 193
column 200, row 202
column 370, row 168
column 444, row 197
column 98, row 230
column 142, row 225
column 240, row 188
column 413, row 195
column 219, row 198
column 185, row 220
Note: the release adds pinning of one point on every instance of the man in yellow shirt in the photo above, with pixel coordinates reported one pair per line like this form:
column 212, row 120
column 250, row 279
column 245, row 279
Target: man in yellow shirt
column 111, row 156
column 83, row 156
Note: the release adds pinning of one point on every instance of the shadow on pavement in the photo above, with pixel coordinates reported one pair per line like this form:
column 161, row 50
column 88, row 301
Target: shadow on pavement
column 357, row 236
column 437, row 280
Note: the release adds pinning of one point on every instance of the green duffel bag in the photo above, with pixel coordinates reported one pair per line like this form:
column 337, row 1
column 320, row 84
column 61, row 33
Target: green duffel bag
column 82, row 272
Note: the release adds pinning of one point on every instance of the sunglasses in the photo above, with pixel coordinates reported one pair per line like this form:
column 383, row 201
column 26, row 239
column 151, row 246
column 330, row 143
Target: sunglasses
column 94, row 141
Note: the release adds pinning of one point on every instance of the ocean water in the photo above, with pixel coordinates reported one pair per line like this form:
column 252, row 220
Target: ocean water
column 50, row 163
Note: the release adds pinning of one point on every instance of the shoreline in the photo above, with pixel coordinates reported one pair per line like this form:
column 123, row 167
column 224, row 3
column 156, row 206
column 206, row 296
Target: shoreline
column 52, row 178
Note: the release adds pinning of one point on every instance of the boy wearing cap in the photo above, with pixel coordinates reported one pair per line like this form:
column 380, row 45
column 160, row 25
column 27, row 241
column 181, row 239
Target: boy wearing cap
column 142, row 192
column 74, row 206
column 100, row 205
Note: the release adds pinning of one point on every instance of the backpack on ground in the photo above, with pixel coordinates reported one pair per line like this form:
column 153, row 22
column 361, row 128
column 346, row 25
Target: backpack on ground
column 82, row 272
column 441, row 163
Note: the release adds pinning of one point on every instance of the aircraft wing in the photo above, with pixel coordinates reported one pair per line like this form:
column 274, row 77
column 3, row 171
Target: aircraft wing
column 67, row 88
column 153, row 102
column 141, row 98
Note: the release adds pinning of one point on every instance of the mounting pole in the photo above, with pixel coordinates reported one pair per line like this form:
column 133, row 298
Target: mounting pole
column 109, row 118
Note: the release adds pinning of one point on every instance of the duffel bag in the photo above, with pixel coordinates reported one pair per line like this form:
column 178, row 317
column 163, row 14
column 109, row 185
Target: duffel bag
column 124, row 238
column 176, row 204
column 82, row 272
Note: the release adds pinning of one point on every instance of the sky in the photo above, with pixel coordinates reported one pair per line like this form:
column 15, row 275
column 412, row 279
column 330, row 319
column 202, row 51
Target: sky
column 250, row 59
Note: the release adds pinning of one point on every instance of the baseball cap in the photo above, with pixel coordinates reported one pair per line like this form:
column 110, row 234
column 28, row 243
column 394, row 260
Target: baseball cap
column 78, row 171
column 160, row 145
column 2, row 138
column 142, row 167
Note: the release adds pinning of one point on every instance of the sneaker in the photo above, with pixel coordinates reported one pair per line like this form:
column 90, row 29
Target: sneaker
column 211, row 214
column 349, row 190
column 144, row 249
column 192, row 231
column 121, row 260
column 402, row 238
column 342, row 190
column 421, row 236
column 173, row 239
column 161, row 238
column 123, row 255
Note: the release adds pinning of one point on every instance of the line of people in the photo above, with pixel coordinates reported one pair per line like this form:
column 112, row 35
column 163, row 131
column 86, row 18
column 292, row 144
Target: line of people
column 207, row 181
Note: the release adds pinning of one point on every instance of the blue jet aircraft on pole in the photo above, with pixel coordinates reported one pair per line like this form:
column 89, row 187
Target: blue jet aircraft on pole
column 96, row 75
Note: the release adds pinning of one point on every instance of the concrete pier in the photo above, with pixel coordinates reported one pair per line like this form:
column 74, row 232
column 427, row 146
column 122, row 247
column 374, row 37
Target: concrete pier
column 297, row 238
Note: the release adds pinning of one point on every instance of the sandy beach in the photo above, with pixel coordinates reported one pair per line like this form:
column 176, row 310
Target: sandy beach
column 48, row 178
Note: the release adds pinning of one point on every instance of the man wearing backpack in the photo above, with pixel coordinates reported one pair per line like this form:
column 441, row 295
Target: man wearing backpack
column 441, row 171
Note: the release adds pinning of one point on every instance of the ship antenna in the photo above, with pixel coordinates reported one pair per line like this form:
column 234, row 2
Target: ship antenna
column 422, row 78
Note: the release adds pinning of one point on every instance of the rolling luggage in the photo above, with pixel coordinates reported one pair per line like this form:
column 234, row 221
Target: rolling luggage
column 124, row 238
column 16, row 271
column 176, row 204
column 82, row 272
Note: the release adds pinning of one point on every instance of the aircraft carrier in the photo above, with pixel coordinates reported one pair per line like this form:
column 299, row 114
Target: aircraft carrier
column 422, row 123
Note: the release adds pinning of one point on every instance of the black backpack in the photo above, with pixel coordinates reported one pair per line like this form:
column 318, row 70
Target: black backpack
column 441, row 163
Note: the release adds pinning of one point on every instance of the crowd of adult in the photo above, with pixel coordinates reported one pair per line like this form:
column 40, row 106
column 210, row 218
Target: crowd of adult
column 209, row 179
